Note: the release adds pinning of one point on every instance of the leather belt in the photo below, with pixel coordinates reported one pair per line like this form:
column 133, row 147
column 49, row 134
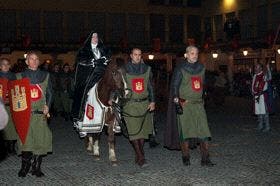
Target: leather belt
column 37, row 112
column 139, row 100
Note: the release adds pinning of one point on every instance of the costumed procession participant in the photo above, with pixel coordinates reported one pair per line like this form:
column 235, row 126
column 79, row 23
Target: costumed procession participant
column 259, row 91
column 30, row 100
column 191, row 121
column 9, row 133
column 91, row 62
column 66, row 81
column 141, row 102
column 4, row 117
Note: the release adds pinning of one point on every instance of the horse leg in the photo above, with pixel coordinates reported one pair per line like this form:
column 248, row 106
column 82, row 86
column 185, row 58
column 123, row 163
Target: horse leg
column 111, row 143
column 96, row 152
column 89, row 144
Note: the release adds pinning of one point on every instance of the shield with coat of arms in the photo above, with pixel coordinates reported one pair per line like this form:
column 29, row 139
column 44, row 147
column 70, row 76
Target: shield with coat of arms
column 20, row 105
column 4, row 89
column 196, row 83
column 138, row 85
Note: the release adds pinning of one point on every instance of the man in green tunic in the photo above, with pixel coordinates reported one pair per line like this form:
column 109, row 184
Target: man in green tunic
column 38, row 141
column 10, row 135
column 192, row 122
column 141, row 102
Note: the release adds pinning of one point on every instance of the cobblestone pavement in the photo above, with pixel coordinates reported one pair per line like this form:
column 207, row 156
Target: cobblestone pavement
column 243, row 156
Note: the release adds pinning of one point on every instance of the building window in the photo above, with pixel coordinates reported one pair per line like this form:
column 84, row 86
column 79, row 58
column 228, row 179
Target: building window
column 194, row 28
column 30, row 25
column 176, row 2
column 157, row 2
column 96, row 22
column 75, row 26
column 194, row 3
column 176, row 29
column 53, row 30
column 157, row 27
column 136, row 29
column 219, row 29
column 117, row 30
column 246, row 24
column 7, row 26
column 261, row 21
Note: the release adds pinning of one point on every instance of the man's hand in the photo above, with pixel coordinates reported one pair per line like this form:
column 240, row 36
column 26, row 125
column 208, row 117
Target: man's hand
column 45, row 109
column 152, row 106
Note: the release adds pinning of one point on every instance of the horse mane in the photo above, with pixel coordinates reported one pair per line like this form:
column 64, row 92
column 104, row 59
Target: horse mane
column 107, row 85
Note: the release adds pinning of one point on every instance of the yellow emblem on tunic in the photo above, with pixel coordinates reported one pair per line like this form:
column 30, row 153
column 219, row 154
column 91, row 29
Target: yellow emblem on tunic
column 196, row 84
column 34, row 93
column 139, row 86
column 1, row 91
column 19, row 98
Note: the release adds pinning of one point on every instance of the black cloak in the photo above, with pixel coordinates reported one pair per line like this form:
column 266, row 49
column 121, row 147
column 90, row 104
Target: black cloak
column 88, row 71
column 171, row 133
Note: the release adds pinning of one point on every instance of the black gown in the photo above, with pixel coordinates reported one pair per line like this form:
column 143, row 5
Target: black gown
column 87, row 74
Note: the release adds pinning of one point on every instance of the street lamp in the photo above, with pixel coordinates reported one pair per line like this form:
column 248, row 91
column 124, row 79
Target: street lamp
column 245, row 52
column 278, row 50
column 215, row 55
column 151, row 56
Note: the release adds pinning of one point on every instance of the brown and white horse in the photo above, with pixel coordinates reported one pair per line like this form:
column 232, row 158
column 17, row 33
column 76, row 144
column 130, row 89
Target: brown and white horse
column 111, row 81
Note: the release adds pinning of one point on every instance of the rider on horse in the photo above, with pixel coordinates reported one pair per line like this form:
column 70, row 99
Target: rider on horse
column 91, row 62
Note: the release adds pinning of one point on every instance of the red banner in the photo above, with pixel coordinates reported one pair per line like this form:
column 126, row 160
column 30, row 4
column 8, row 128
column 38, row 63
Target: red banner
column 20, row 105
column 4, row 89
column 138, row 85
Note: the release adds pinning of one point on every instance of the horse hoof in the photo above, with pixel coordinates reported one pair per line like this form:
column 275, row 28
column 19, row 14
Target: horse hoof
column 89, row 152
column 96, row 158
column 114, row 163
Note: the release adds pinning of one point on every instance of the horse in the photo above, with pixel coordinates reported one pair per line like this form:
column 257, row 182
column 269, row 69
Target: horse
column 111, row 81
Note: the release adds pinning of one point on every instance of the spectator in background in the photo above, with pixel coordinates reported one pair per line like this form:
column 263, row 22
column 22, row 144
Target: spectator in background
column 220, row 89
column 57, row 89
column 66, row 82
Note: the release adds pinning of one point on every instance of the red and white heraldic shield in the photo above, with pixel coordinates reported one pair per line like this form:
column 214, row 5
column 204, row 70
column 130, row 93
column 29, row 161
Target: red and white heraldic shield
column 196, row 83
column 138, row 85
column 90, row 111
column 36, row 92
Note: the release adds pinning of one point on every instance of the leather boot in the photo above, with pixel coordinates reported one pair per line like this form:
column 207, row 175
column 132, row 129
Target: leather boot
column 138, row 152
column 205, row 160
column 142, row 162
column 185, row 153
column 25, row 163
column 36, row 166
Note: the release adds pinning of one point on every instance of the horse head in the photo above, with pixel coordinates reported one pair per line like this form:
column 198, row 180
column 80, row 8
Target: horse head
column 112, row 82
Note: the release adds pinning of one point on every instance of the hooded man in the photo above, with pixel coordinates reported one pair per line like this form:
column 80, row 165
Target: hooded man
column 91, row 62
